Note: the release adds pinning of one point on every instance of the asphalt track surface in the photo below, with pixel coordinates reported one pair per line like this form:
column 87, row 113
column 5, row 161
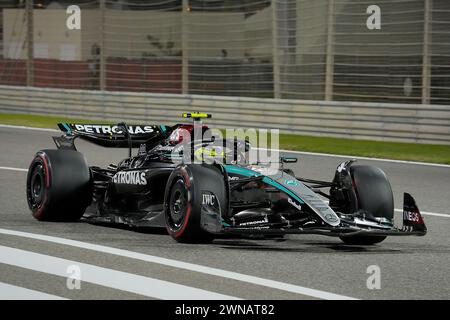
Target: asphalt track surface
column 120, row 263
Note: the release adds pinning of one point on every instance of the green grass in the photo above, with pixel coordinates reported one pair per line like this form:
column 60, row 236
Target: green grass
column 40, row 121
column 364, row 148
column 375, row 149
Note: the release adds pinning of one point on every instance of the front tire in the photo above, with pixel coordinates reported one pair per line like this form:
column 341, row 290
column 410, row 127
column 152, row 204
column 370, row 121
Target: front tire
column 374, row 195
column 183, row 201
column 58, row 185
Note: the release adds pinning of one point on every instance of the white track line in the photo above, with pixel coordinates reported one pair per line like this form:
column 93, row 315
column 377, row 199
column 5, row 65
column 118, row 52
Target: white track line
column 181, row 265
column 443, row 215
column 360, row 158
column 425, row 213
column 27, row 128
column 283, row 150
column 13, row 169
column 106, row 277
column 10, row 292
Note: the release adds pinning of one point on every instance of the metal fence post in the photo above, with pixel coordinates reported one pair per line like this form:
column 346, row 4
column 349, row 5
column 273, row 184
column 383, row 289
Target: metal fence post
column 329, row 67
column 426, row 56
column 184, row 48
column 102, row 46
column 30, row 42
column 275, row 53
column 102, row 57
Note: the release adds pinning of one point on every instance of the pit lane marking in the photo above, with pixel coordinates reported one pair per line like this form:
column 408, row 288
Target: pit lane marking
column 172, row 263
column 119, row 280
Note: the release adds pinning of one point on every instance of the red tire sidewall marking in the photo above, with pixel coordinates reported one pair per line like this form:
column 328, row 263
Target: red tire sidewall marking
column 187, row 182
column 38, row 213
column 355, row 188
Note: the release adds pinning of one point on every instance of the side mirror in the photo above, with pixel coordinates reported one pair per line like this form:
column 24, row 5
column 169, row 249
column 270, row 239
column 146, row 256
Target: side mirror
column 288, row 160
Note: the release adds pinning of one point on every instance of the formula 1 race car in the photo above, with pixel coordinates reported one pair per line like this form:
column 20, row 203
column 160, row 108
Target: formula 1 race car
column 197, row 202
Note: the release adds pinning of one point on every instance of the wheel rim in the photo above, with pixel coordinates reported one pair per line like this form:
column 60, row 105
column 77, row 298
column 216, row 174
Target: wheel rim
column 36, row 188
column 178, row 204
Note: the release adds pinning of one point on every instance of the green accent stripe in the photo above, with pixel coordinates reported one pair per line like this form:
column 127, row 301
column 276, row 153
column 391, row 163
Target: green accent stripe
column 250, row 173
column 282, row 188
column 67, row 127
column 242, row 171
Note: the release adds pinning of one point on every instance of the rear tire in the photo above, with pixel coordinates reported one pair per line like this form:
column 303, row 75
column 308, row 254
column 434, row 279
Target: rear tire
column 183, row 201
column 374, row 195
column 59, row 185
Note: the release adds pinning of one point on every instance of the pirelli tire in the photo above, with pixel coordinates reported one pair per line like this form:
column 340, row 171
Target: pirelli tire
column 183, row 201
column 374, row 195
column 59, row 185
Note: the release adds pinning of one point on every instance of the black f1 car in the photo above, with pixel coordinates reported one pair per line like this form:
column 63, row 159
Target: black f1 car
column 196, row 202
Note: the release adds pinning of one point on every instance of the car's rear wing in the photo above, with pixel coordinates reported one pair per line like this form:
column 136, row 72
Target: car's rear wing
column 110, row 135
column 115, row 135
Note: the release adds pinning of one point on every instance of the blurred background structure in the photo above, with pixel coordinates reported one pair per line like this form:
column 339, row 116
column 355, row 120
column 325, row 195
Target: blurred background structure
column 294, row 49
